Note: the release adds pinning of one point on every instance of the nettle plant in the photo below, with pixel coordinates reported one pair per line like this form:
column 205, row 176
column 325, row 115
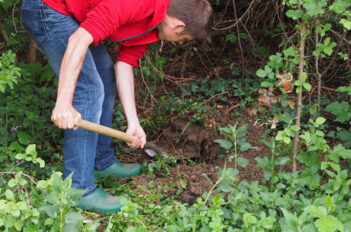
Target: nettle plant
column 235, row 142
column 9, row 72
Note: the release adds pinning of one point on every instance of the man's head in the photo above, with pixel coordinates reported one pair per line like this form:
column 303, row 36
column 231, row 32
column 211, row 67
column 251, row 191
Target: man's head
column 187, row 20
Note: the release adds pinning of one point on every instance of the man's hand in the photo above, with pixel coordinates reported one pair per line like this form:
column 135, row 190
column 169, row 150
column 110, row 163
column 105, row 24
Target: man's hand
column 137, row 131
column 65, row 116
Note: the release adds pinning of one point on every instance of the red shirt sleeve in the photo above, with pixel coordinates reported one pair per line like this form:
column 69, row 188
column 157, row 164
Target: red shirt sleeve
column 131, row 54
column 108, row 15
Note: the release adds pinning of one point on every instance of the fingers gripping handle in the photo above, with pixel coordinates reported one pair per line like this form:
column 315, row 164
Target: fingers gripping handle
column 90, row 126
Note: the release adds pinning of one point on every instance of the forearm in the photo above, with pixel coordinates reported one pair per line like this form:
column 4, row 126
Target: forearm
column 71, row 64
column 125, row 86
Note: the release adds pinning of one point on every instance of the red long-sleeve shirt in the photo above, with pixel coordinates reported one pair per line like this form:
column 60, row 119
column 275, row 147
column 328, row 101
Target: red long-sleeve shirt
column 130, row 22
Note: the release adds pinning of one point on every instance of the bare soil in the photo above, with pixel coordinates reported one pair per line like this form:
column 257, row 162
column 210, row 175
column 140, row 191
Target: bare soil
column 196, row 143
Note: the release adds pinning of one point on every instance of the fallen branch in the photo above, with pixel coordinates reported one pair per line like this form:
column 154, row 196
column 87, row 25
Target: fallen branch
column 22, row 174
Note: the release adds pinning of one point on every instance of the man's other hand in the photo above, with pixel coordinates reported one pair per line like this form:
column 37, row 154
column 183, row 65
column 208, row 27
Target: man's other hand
column 138, row 132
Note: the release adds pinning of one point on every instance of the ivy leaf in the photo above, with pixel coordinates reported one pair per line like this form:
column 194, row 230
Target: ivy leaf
column 309, row 177
column 345, row 136
column 341, row 151
column 346, row 23
column 9, row 195
column 313, row 9
column 307, row 86
column 12, row 183
column 231, row 38
column 329, row 224
column 41, row 162
column 266, row 84
column 339, row 6
column 294, row 14
column 23, row 138
column 309, row 158
column 42, row 184
column 291, row 51
column 30, row 150
column 20, row 156
column 320, row 121
column 261, row 73
column 341, row 110
column 287, row 140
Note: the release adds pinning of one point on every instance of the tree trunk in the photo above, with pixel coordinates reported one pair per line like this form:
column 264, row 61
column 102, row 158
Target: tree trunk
column 32, row 52
column 4, row 33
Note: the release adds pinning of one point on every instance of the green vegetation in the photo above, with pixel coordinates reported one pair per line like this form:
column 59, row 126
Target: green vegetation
column 306, row 175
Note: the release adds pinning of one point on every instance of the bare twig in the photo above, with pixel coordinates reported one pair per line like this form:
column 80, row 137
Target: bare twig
column 22, row 174
column 13, row 16
column 166, row 76
column 29, row 200
column 242, row 71
column 184, row 63
column 236, row 20
column 340, row 36
column 147, row 87
column 319, row 77
column 216, row 95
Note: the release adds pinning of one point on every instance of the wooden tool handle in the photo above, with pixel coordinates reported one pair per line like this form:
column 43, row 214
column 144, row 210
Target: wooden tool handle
column 90, row 126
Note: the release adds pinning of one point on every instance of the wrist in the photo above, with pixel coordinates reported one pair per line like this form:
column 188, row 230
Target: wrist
column 63, row 103
column 64, row 99
column 132, row 123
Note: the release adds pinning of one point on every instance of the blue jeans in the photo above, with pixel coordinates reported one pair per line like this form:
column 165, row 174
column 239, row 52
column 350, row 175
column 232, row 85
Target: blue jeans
column 93, row 98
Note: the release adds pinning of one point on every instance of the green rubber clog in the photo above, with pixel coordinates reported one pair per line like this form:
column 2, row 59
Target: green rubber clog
column 119, row 170
column 101, row 202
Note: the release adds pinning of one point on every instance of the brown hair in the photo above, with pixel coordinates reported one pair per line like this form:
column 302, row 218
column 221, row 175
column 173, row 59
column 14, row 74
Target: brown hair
column 196, row 14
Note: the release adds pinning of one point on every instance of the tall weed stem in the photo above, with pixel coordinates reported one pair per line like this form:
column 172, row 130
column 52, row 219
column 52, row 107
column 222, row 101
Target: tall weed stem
column 272, row 163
